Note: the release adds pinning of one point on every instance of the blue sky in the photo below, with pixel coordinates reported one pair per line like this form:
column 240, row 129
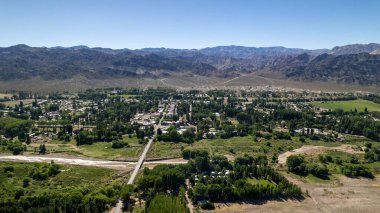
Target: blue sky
column 189, row 24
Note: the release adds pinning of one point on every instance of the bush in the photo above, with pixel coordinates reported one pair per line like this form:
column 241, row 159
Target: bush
column 207, row 205
column 191, row 154
column 282, row 135
column 9, row 169
column 356, row 171
column 25, row 182
column 143, row 141
column 119, row 144
column 296, row 164
column 267, row 136
column 15, row 147
column 317, row 170
column 325, row 158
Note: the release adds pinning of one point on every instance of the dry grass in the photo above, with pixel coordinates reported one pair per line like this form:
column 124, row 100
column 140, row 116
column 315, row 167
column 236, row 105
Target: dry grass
column 17, row 102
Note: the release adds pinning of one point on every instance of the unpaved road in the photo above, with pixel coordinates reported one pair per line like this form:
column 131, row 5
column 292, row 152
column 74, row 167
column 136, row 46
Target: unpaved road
column 119, row 165
column 310, row 149
column 71, row 161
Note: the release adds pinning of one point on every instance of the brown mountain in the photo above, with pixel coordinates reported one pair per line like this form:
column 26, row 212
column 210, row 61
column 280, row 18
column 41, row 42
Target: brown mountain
column 360, row 67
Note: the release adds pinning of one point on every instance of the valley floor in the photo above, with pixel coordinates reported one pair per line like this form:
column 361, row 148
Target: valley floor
column 181, row 81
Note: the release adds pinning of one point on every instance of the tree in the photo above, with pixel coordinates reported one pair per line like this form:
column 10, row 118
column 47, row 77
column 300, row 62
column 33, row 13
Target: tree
column 159, row 131
column 42, row 150
column 126, row 193
column 296, row 164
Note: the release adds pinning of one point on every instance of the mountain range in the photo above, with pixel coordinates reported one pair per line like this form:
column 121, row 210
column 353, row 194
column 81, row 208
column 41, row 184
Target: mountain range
column 350, row 64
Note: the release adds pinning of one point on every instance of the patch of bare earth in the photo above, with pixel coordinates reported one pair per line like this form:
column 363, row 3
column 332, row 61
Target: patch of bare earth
column 313, row 150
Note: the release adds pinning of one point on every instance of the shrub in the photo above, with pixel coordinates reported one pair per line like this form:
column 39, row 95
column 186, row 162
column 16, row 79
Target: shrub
column 296, row 164
column 9, row 169
column 119, row 144
column 317, row 170
column 191, row 154
column 282, row 135
column 356, row 171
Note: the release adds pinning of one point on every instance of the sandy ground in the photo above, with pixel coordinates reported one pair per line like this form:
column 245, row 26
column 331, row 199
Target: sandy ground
column 310, row 149
column 72, row 161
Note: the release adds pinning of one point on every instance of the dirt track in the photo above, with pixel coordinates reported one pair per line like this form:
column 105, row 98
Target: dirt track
column 119, row 165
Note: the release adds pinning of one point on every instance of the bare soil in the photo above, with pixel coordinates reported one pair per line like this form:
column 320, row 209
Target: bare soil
column 313, row 150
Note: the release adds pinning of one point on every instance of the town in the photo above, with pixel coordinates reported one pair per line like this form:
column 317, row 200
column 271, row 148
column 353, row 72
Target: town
column 199, row 145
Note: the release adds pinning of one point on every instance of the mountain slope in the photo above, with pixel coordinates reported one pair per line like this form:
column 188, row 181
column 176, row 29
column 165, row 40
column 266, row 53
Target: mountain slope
column 354, row 49
column 24, row 62
column 363, row 69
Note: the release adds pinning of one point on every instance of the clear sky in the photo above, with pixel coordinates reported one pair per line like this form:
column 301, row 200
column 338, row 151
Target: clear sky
column 189, row 24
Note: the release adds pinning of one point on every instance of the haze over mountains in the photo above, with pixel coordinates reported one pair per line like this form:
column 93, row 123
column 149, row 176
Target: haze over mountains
column 350, row 64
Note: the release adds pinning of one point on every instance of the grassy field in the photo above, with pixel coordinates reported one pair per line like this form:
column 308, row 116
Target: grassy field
column 360, row 105
column 238, row 146
column 69, row 178
column 262, row 182
column 102, row 150
column 166, row 150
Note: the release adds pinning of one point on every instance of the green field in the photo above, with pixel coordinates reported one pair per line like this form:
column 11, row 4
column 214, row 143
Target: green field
column 166, row 150
column 102, row 150
column 262, row 182
column 238, row 146
column 360, row 105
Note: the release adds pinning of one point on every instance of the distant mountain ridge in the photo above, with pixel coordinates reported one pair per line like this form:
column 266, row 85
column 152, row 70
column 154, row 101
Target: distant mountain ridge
column 356, row 63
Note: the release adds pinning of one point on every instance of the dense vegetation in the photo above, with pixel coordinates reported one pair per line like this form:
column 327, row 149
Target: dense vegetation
column 28, row 187
column 216, row 179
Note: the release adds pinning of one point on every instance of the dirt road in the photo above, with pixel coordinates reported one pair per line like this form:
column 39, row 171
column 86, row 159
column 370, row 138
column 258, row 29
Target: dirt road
column 119, row 165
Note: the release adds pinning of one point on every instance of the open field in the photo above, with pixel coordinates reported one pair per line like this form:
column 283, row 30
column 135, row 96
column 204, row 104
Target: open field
column 100, row 150
column 238, row 146
column 360, row 105
column 103, row 150
column 17, row 102
column 315, row 150
column 166, row 150
column 3, row 95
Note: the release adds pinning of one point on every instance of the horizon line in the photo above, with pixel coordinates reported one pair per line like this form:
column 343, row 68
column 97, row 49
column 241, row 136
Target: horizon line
column 169, row 48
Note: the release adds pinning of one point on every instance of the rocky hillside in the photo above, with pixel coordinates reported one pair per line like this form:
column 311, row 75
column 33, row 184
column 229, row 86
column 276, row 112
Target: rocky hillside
column 359, row 64
column 362, row 68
